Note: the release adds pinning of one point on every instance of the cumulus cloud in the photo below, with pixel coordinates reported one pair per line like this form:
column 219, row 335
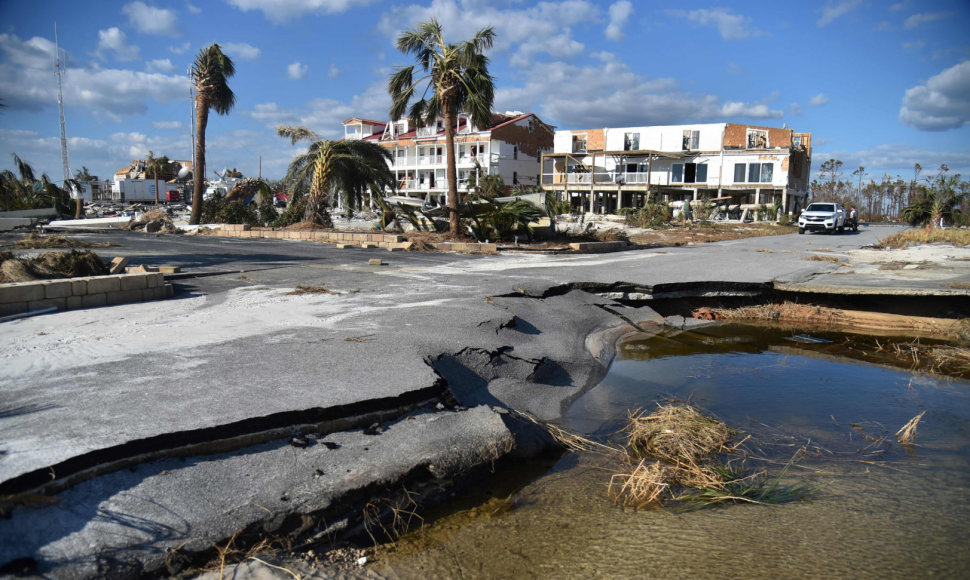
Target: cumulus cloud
column 833, row 10
column 819, row 100
column 151, row 20
column 795, row 109
column 167, row 124
column 29, row 85
column 920, row 19
column 942, row 103
column 619, row 14
column 729, row 25
column 296, row 71
column 113, row 41
column 609, row 94
column 545, row 28
column 180, row 48
column 240, row 50
column 280, row 11
column 325, row 116
column 333, row 72
column 160, row 65
column 192, row 8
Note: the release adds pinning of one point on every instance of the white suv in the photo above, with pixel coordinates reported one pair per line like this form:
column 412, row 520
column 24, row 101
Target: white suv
column 824, row 216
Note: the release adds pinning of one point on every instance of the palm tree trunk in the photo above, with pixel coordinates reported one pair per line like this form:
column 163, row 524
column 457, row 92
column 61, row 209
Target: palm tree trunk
column 156, row 185
column 451, row 171
column 198, row 170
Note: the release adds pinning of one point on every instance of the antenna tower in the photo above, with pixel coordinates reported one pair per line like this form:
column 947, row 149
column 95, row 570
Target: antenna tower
column 60, row 105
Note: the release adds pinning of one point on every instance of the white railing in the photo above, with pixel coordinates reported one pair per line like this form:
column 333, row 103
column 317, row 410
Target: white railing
column 405, row 184
column 427, row 131
column 635, row 177
column 577, row 178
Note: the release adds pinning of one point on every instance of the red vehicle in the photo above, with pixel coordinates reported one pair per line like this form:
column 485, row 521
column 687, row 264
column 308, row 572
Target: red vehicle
column 173, row 195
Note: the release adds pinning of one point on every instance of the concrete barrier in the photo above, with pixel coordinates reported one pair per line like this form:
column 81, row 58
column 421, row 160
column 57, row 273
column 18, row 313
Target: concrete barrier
column 375, row 240
column 86, row 292
column 599, row 247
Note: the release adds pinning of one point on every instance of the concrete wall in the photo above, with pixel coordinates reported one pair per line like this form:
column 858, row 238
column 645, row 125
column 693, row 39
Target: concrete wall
column 88, row 292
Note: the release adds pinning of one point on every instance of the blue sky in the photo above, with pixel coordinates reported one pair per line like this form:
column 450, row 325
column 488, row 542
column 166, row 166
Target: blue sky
column 879, row 84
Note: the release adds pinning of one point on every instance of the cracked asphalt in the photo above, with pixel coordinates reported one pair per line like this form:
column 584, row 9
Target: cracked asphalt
column 162, row 428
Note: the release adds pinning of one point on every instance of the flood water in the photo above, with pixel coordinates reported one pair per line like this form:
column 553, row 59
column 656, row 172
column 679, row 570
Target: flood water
column 878, row 510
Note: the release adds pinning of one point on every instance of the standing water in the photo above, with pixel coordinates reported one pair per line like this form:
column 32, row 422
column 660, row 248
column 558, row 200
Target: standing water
column 877, row 510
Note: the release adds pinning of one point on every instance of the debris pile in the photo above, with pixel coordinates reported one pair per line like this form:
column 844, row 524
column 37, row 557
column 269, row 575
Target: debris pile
column 154, row 221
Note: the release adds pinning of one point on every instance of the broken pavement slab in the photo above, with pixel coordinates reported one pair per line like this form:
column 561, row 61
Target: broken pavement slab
column 117, row 265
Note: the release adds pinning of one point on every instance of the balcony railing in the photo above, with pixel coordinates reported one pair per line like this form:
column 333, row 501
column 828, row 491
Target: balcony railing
column 427, row 131
column 635, row 177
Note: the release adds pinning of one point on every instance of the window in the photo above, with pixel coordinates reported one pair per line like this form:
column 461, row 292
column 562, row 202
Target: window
column 515, row 153
column 797, row 141
column 757, row 172
column 579, row 143
column 757, row 139
column 691, row 140
column 532, row 125
column 739, row 171
column 688, row 173
column 400, row 153
column 631, row 141
column 754, row 172
column 677, row 173
column 515, row 178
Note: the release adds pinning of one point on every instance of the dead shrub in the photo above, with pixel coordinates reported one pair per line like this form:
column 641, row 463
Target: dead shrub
column 643, row 487
column 51, row 265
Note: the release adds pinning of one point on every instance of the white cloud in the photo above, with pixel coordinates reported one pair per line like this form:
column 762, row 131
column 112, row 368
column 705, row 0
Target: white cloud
column 819, row 100
column 545, row 28
column 333, row 72
column 942, row 103
column 611, row 95
column 884, row 26
column 296, row 71
column 150, row 20
column 730, row 26
column 240, row 50
column 113, row 40
column 192, row 8
column 160, row 65
column 280, row 11
column 795, row 109
column 619, row 13
column 167, row 124
column 833, row 10
column 325, row 116
column 914, row 44
column 26, row 77
column 920, row 19
column 180, row 48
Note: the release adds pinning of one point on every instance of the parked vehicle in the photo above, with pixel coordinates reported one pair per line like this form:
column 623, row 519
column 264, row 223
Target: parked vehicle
column 824, row 216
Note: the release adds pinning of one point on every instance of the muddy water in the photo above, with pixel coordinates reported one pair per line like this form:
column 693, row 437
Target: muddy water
column 878, row 510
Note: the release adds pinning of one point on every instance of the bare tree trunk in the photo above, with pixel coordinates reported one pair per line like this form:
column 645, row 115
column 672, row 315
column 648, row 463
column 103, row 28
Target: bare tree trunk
column 198, row 170
column 451, row 172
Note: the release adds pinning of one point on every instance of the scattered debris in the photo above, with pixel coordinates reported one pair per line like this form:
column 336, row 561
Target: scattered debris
column 33, row 241
column 375, row 262
column 374, row 429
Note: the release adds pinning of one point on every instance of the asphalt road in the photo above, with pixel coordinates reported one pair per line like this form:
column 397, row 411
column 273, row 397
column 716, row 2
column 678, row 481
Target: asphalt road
column 236, row 364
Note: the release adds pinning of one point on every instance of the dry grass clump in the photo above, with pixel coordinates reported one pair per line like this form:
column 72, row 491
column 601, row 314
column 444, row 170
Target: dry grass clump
column 824, row 258
column 645, row 486
column 51, row 265
column 677, row 434
column 907, row 434
column 308, row 289
column 33, row 241
column 959, row 237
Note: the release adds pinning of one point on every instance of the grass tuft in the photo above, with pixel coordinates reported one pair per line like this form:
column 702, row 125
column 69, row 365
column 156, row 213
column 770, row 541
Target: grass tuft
column 956, row 237
column 907, row 434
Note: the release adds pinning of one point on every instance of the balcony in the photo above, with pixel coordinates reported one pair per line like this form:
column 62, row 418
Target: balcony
column 431, row 159
column 635, row 177
column 427, row 132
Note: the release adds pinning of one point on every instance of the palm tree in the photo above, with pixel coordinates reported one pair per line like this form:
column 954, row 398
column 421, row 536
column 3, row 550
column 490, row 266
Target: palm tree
column 331, row 167
column 938, row 204
column 210, row 72
column 458, row 79
column 26, row 191
column 157, row 165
